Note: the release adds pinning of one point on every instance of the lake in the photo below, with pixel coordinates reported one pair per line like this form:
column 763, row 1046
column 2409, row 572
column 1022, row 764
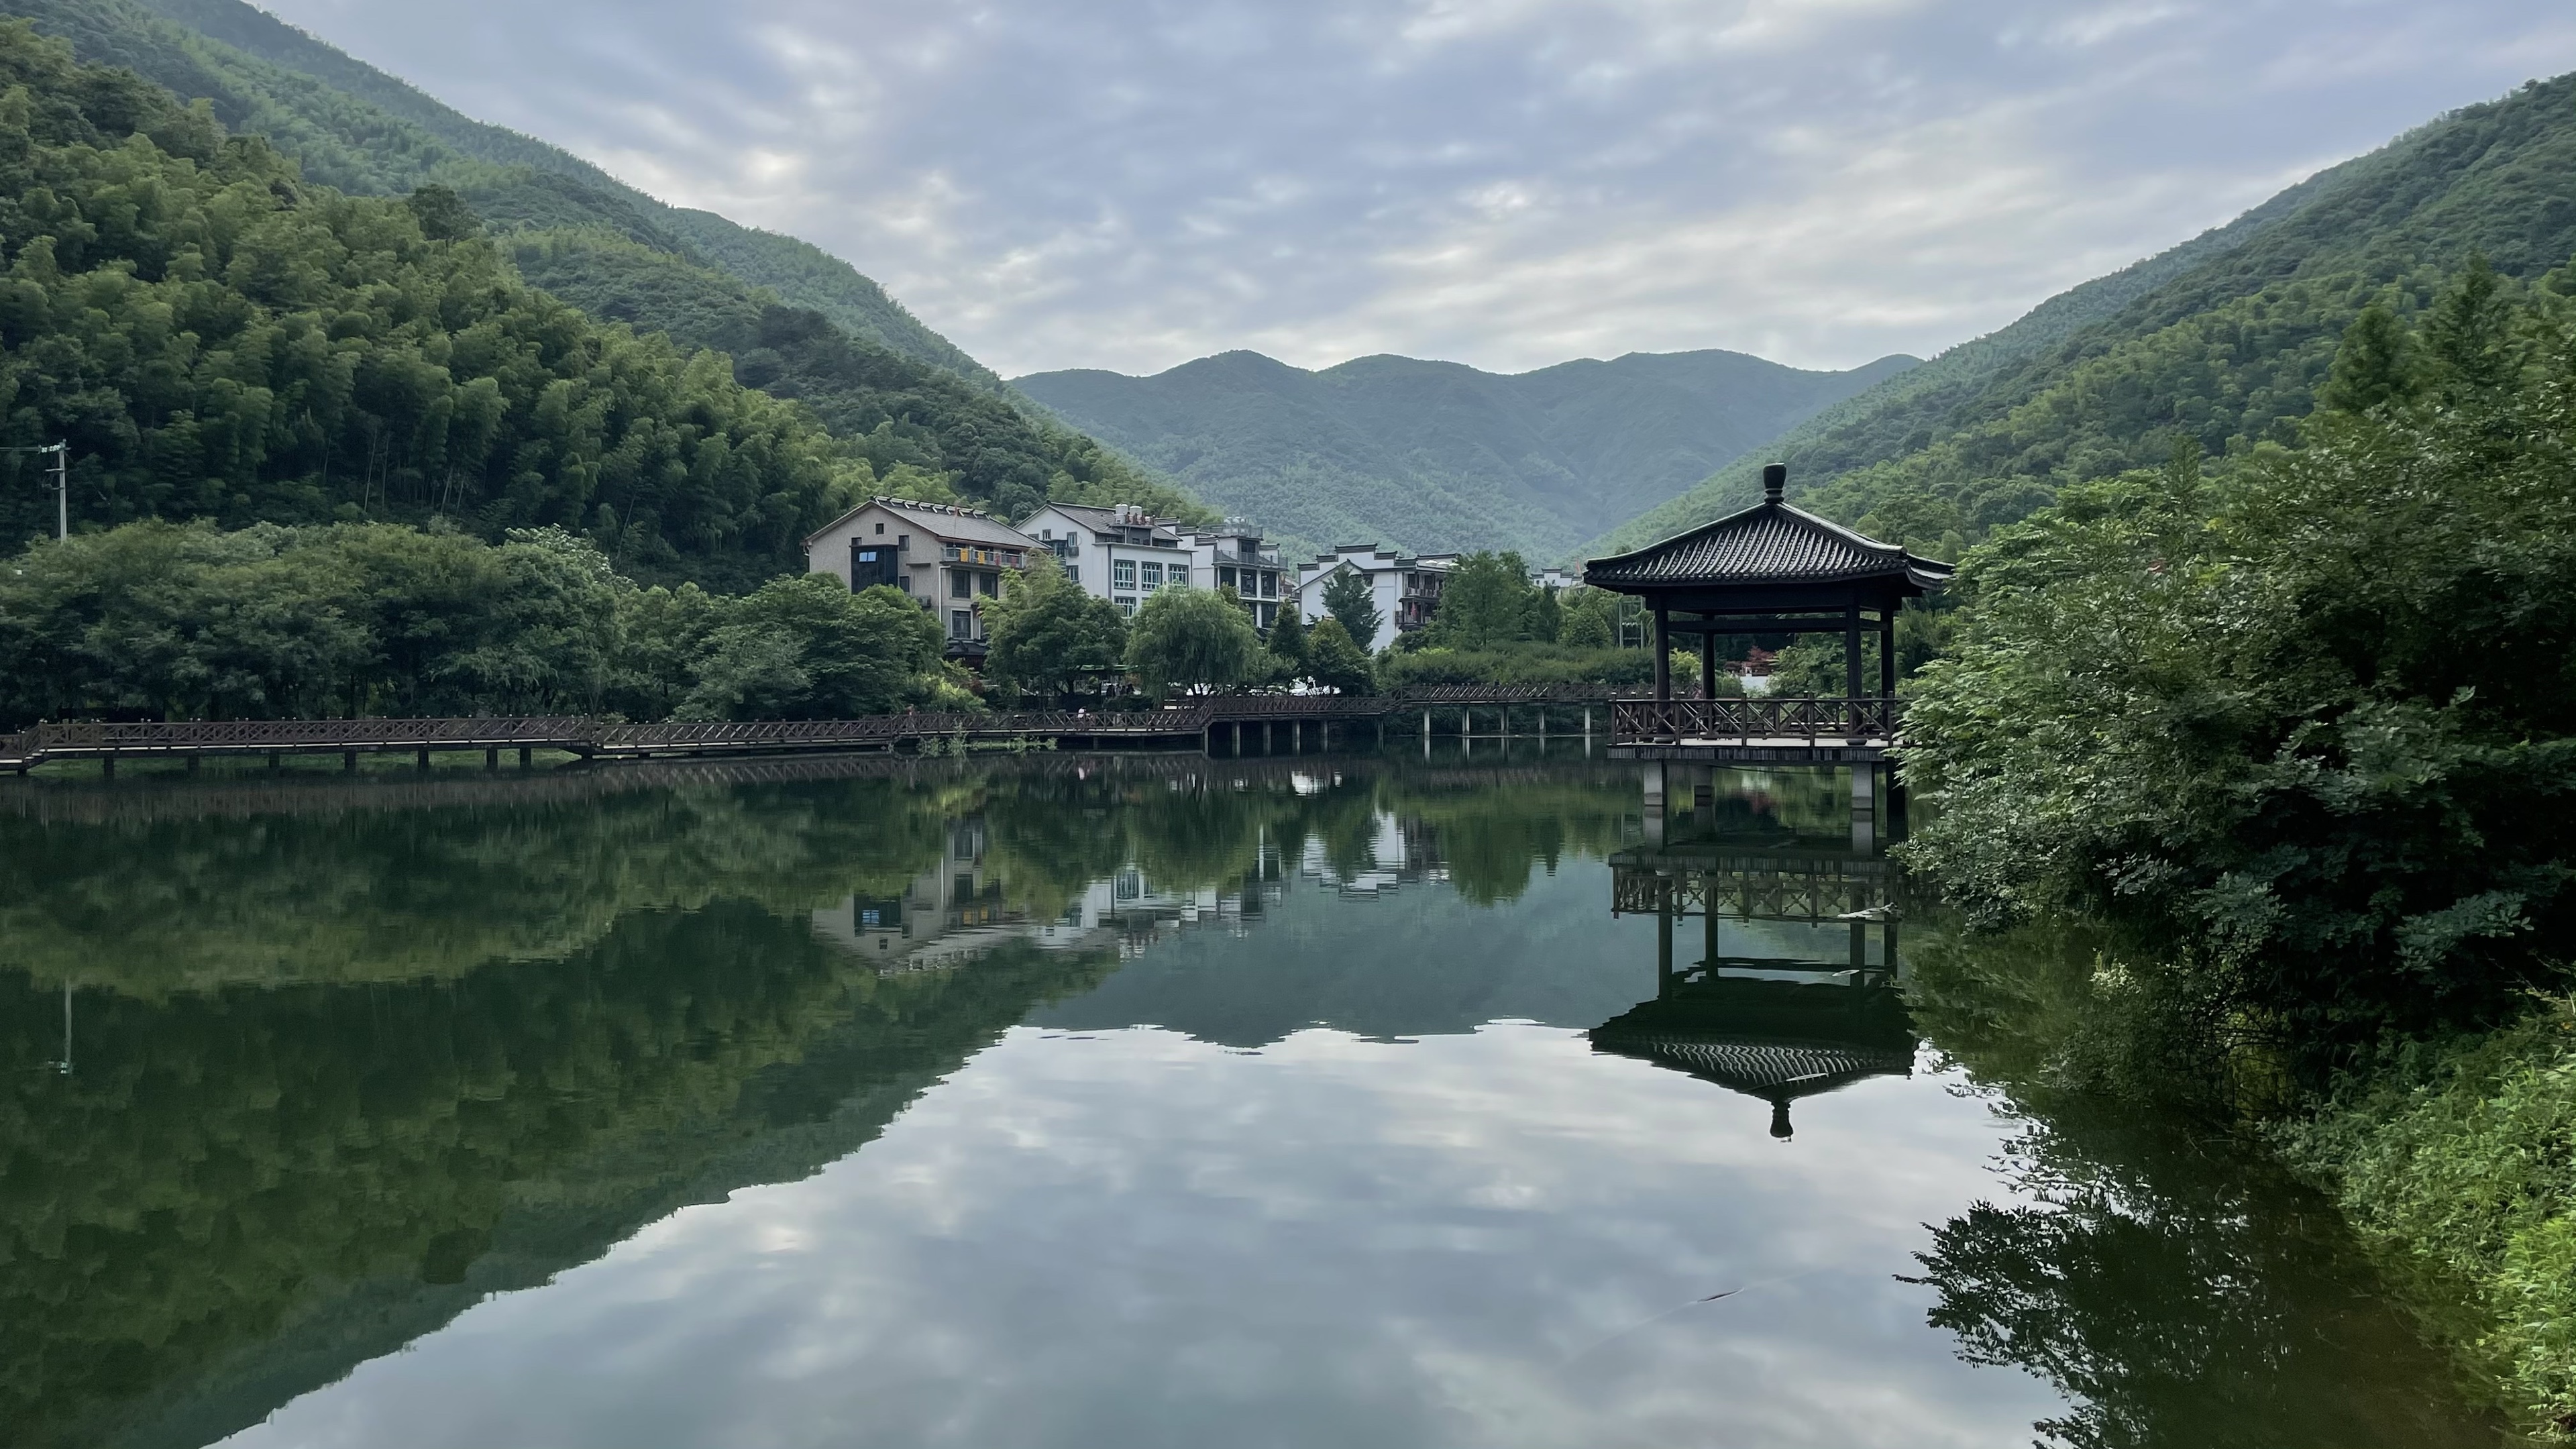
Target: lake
column 1094, row 1101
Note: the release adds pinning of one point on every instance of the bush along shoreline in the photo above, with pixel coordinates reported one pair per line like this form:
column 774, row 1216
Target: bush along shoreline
column 2296, row 732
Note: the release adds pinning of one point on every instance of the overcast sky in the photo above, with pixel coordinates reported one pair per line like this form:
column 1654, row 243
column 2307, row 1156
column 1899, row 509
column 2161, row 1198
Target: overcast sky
column 1510, row 183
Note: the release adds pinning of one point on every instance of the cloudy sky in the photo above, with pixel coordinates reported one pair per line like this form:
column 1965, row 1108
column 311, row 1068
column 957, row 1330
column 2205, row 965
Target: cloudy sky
column 1132, row 183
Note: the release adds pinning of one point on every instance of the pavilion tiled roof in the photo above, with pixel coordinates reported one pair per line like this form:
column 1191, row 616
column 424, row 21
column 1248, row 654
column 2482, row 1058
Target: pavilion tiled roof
column 1767, row 543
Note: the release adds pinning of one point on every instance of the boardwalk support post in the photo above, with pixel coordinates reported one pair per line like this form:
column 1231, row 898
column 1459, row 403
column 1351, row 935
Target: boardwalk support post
column 107, row 767
column 422, row 757
column 491, row 757
column 527, row 756
column 348, row 759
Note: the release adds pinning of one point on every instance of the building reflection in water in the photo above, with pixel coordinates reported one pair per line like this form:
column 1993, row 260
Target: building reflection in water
column 1794, row 991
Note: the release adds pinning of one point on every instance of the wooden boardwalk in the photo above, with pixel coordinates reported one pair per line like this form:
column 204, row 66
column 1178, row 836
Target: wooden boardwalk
column 1636, row 729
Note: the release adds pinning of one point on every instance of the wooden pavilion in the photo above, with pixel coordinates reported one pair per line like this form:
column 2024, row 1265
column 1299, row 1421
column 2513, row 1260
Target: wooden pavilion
column 1771, row 569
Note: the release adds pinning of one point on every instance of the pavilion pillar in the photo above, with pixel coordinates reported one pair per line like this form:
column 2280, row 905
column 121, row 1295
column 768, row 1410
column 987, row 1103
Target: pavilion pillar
column 1663, row 652
column 1708, row 666
column 1663, row 939
column 1851, row 650
column 1887, row 652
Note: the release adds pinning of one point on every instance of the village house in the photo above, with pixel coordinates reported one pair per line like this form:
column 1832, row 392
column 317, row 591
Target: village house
column 1404, row 587
column 950, row 559
column 1123, row 554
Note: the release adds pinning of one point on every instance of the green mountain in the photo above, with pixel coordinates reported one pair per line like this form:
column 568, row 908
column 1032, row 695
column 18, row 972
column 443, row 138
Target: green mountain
column 2219, row 343
column 353, row 127
column 1435, row 455
column 923, row 417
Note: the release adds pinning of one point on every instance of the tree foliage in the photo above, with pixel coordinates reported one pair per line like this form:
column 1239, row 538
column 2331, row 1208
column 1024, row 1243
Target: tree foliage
column 2315, row 714
column 1046, row 634
column 1191, row 639
column 171, row 621
column 218, row 339
column 1348, row 597
column 1335, row 661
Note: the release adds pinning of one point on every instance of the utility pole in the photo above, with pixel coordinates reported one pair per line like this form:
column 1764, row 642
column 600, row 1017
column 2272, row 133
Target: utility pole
column 62, row 485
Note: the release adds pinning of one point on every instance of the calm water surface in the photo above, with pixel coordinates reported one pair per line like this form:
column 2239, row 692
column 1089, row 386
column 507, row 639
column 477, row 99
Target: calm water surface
column 1068, row 1101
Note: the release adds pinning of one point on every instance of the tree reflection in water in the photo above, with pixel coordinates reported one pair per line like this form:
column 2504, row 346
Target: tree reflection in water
column 2181, row 1294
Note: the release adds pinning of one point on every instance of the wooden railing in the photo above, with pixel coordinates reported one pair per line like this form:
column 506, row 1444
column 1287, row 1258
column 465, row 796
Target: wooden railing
column 607, row 738
column 1749, row 720
column 1756, row 887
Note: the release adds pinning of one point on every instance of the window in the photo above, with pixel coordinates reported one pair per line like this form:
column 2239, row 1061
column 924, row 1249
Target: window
column 1127, row 606
column 1073, row 575
column 1269, row 615
column 1122, row 574
column 903, row 583
column 1224, row 577
column 1180, row 576
column 988, row 584
column 961, row 584
column 1269, row 585
column 961, row 625
column 1153, row 576
column 880, row 528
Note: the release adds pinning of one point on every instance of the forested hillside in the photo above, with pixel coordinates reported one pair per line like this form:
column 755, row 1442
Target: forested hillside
column 219, row 339
column 936, row 428
column 2221, row 342
column 926, row 432
column 354, row 127
column 1435, row 455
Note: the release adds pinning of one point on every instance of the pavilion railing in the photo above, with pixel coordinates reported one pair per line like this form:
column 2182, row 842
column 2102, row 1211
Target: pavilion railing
column 1749, row 721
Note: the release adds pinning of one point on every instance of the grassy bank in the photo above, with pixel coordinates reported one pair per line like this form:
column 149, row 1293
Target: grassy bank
column 2458, row 1159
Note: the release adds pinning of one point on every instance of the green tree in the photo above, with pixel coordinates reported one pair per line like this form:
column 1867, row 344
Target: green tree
column 1347, row 597
column 1485, row 603
column 1544, row 618
column 1587, row 620
column 1335, row 661
column 2374, row 366
column 807, row 648
column 1288, row 640
column 1191, row 639
column 1046, row 633
column 443, row 214
column 2313, row 720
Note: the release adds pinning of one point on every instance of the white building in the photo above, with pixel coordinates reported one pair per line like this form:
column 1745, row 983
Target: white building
column 1234, row 558
column 948, row 558
column 1123, row 554
column 1404, row 587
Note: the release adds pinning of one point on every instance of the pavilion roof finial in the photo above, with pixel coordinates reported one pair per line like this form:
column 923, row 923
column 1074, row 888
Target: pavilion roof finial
column 1775, row 481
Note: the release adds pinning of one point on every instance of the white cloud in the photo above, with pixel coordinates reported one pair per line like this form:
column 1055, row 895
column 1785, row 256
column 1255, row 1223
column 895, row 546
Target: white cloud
column 1133, row 183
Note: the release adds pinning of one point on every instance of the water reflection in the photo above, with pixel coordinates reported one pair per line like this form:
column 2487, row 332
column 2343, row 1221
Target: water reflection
column 1068, row 1101
column 1806, row 1003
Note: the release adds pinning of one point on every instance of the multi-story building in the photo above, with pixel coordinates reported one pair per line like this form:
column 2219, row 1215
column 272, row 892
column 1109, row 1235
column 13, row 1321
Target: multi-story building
column 1236, row 561
column 1404, row 587
column 1123, row 554
column 949, row 559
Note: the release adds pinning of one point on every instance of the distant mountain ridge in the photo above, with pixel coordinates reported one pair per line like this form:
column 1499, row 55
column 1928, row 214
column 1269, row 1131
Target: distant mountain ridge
column 1439, row 455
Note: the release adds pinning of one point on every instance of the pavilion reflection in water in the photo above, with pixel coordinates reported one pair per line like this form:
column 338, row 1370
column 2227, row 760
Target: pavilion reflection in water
column 1795, row 989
